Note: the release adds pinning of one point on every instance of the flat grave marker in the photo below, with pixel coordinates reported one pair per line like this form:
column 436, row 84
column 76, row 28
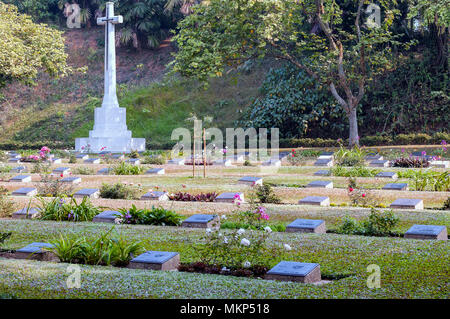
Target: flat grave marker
column 14, row 160
column 156, row 260
column 35, row 251
column 392, row 175
column 55, row 160
column 272, row 162
column 176, row 161
column 224, row 162
column 105, row 171
column 92, row 161
column 159, row 196
column 133, row 161
column 71, row 180
column 19, row 169
column 295, row 271
column 25, row 213
column 396, row 186
column 322, row 172
column 315, row 200
column 87, row 192
column 375, row 157
column 407, row 203
column 440, row 164
column 25, row 191
column 21, row 179
column 307, row 226
column 320, row 184
column 201, row 221
column 82, row 156
column 436, row 232
column 108, row 216
column 379, row 163
column 250, row 180
column 61, row 170
column 324, row 162
column 229, row 197
column 156, row 171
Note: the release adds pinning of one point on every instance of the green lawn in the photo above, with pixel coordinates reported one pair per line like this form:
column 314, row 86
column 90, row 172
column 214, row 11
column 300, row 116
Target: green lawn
column 409, row 268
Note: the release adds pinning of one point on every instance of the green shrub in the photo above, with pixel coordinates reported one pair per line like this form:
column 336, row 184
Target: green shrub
column 359, row 171
column 4, row 237
column 154, row 160
column 52, row 186
column 83, row 170
column 104, row 250
column 120, row 191
column 59, row 209
column 446, row 205
column 72, row 159
column 265, row 194
column 41, row 168
column 127, row 169
column 157, row 216
column 5, row 169
column 350, row 157
column 7, row 206
column 377, row 224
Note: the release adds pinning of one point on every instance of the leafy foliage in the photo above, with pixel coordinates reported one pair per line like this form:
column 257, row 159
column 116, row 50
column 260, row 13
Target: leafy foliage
column 417, row 162
column 120, row 191
column 350, row 157
column 26, row 48
column 157, row 216
column 7, row 206
column 59, row 209
column 186, row 197
column 377, row 224
column 127, row 169
column 265, row 194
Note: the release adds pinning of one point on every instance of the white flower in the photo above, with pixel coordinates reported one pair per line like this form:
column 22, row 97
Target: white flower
column 245, row 242
column 208, row 230
column 247, row 264
column 118, row 221
column 220, row 234
column 287, row 247
column 225, row 240
column 241, row 231
column 223, row 217
column 268, row 229
column 225, row 269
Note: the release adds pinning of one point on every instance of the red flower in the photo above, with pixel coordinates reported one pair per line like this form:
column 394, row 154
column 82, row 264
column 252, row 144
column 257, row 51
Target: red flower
column 363, row 195
column 62, row 175
column 350, row 189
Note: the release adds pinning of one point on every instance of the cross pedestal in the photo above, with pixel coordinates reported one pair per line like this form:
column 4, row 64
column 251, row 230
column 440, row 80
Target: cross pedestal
column 110, row 131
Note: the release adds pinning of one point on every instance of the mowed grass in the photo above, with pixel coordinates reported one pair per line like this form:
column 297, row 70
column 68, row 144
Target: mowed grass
column 409, row 268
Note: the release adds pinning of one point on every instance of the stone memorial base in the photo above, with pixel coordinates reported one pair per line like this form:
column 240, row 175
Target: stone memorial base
column 294, row 271
column 156, row 260
column 201, row 221
column 34, row 251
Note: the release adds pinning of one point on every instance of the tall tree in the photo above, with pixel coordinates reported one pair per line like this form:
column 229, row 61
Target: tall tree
column 330, row 40
column 27, row 47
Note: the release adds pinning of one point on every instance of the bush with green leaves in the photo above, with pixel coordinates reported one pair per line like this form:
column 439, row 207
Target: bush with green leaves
column 157, row 216
column 124, row 168
column 83, row 170
column 65, row 209
column 357, row 171
column 265, row 194
column 296, row 158
column 292, row 101
column 427, row 180
column 120, row 191
column 104, row 250
column 4, row 237
column 154, row 160
column 376, row 224
column 52, row 186
column 41, row 168
column 350, row 157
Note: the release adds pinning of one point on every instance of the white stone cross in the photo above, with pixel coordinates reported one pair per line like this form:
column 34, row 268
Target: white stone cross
column 110, row 95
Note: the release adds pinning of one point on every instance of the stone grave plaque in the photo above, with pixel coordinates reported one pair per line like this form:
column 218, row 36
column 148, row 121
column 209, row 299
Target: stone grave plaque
column 249, row 180
column 71, row 180
column 108, row 216
column 407, row 203
column 224, row 162
column 35, row 251
column 396, row 186
column 157, row 171
column 105, row 171
column 325, row 157
column 392, row 175
column 379, row 163
column 324, row 162
column 118, row 156
column 326, row 153
column 160, row 196
column 25, row 191
column 61, row 170
column 238, row 158
column 307, row 226
column 19, row 169
column 21, row 179
column 322, row 173
column 14, row 160
column 315, row 200
column 419, row 154
column 228, row 197
column 82, row 156
column 272, row 162
column 56, row 160
column 92, row 161
column 440, row 164
column 295, row 271
column 427, row 232
column 201, row 221
column 176, row 161
column 14, row 155
column 87, row 192
column 26, row 214
column 133, row 161
column 320, row 184
column 156, row 260
column 375, row 157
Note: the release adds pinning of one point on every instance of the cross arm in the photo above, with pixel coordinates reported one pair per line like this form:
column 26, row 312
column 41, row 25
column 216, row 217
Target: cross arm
column 113, row 20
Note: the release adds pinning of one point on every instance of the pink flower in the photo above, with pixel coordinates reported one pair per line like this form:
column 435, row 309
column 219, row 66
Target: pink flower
column 45, row 149
column 424, row 153
column 350, row 189
column 62, row 175
column 363, row 195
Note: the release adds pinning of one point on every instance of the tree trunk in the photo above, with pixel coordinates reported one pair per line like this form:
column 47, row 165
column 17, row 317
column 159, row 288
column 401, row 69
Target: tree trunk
column 353, row 121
